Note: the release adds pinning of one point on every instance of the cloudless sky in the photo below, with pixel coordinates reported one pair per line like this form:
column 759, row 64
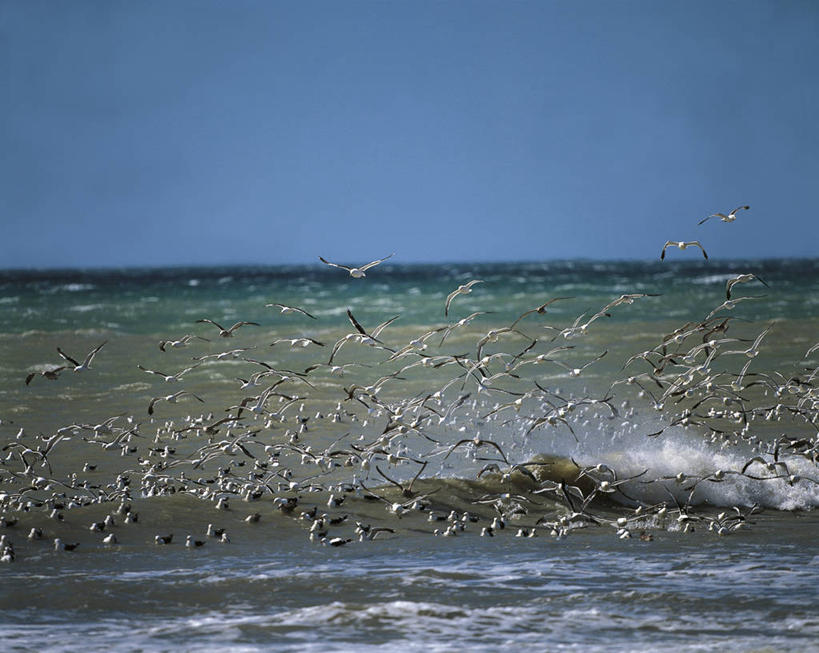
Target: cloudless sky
column 208, row 132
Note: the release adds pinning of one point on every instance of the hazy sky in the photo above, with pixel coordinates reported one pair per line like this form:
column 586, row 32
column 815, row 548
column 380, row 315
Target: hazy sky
column 204, row 132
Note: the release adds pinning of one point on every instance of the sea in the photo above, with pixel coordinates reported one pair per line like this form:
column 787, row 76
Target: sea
column 563, row 455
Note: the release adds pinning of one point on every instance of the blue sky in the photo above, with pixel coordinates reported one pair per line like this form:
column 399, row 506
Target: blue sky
column 209, row 132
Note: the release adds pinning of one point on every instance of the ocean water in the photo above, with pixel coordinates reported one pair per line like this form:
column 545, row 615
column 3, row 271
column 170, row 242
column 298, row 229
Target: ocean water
column 663, row 450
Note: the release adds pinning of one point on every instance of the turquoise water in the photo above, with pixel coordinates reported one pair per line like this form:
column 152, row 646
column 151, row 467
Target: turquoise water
column 713, row 474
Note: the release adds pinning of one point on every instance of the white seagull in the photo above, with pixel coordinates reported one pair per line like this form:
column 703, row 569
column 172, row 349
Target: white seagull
column 356, row 273
column 290, row 309
column 86, row 364
column 463, row 289
column 170, row 378
column 227, row 333
column 682, row 245
column 726, row 218
column 171, row 399
column 182, row 342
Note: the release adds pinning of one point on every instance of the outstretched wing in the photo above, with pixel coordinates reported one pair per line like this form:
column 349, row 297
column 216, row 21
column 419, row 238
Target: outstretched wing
column 93, row 353
column 371, row 264
column 216, row 324
column 67, row 357
column 355, row 323
column 335, row 265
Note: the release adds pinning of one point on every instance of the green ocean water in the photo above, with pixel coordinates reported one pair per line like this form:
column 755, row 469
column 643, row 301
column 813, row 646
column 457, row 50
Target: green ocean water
column 273, row 588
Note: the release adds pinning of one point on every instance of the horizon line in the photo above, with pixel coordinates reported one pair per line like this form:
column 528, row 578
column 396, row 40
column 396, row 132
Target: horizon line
column 394, row 264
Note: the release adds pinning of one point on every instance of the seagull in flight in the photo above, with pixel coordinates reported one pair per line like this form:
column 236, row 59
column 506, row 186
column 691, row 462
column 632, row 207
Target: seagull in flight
column 52, row 374
column 290, row 309
column 182, row 342
column 170, row 378
column 227, row 333
column 86, row 364
column 726, row 218
column 171, row 399
column 682, row 245
column 356, row 273
column 540, row 310
column 742, row 278
column 463, row 289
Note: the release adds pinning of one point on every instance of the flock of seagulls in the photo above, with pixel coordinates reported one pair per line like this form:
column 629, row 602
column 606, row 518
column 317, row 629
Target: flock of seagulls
column 682, row 244
column 328, row 439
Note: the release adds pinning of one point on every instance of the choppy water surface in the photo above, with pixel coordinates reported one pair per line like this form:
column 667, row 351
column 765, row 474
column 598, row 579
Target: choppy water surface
column 665, row 459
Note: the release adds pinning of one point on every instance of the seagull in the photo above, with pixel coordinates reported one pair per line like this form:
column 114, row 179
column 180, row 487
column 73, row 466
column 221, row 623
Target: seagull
column 356, row 273
column 86, row 364
column 540, row 310
column 227, row 333
column 742, row 278
column 290, row 309
column 52, row 374
column 59, row 545
column 223, row 355
column 297, row 342
column 577, row 371
column 463, row 289
column 477, row 442
column 730, row 304
column 726, row 218
column 171, row 399
column 361, row 336
column 191, row 543
column 182, row 342
column 170, row 378
column 682, row 245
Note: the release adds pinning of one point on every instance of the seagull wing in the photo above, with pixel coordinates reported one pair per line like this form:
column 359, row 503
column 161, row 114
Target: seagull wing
column 92, row 353
column 377, row 330
column 145, row 369
column 449, row 299
column 293, row 308
column 151, row 404
column 241, row 324
column 335, row 265
column 355, row 323
column 67, row 357
column 721, row 216
column 371, row 264
column 216, row 324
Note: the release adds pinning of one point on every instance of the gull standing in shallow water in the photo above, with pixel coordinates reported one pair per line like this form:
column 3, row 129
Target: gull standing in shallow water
column 356, row 273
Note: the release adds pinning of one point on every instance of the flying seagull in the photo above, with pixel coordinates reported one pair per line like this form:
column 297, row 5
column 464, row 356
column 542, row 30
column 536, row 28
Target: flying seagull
column 356, row 273
column 52, row 374
column 290, row 309
column 682, row 245
column 86, row 364
column 227, row 333
column 726, row 218
column 463, row 289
